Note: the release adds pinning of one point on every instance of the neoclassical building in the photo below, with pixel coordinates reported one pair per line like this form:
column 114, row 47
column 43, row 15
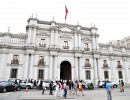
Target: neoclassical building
column 50, row 50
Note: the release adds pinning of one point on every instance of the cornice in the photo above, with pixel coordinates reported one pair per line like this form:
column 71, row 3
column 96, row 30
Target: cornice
column 44, row 22
column 96, row 35
column 32, row 19
column 31, row 26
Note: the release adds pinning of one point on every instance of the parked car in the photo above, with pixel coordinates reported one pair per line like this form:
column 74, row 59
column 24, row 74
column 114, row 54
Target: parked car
column 25, row 84
column 15, row 80
column 47, row 82
column 8, row 86
column 102, row 84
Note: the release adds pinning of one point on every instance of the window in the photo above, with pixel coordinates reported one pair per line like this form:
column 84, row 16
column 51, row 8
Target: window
column 87, row 61
column 42, row 43
column 87, row 64
column 105, row 62
column 41, row 57
column 15, row 59
column 106, row 74
column 65, row 43
column 40, row 74
column 118, row 62
column 86, row 45
column 13, row 73
column 41, row 60
column 88, row 75
column 120, row 74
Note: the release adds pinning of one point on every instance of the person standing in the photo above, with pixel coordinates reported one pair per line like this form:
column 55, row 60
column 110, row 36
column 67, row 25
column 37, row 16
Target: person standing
column 51, row 87
column 109, row 87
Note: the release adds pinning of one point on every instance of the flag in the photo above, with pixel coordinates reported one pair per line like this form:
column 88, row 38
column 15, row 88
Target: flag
column 66, row 11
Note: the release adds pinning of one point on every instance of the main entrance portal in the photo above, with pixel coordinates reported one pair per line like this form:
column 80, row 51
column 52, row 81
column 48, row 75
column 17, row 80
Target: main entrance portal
column 65, row 70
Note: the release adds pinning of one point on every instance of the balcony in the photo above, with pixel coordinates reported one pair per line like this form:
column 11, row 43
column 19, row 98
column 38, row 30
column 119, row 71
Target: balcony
column 119, row 66
column 42, row 45
column 105, row 65
column 15, row 61
column 87, row 65
column 65, row 47
column 41, row 62
column 86, row 49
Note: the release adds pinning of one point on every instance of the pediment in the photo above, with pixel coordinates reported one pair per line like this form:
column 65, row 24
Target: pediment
column 65, row 29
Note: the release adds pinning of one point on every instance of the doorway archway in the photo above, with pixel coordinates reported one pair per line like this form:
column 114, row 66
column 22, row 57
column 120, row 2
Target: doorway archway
column 65, row 70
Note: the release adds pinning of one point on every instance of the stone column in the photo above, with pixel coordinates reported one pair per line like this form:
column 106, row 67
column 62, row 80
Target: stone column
column 56, row 38
column 58, row 72
column 31, row 67
column 52, row 38
column 34, row 36
column 55, row 67
column 111, row 69
column 29, row 31
column 80, row 68
column 3, row 66
column 93, row 43
column 125, row 70
column 97, row 45
column 75, row 40
column 50, row 67
column 73, row 73
column 97, row 61
column 76, row 68
column 95, row 71
column 26, row 67
column 79, row 37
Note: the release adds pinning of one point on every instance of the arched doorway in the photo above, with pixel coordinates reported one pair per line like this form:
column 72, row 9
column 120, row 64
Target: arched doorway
column 65, row 70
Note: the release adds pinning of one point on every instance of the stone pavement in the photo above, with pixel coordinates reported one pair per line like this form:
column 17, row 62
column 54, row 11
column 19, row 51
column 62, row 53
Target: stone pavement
column 97, row 94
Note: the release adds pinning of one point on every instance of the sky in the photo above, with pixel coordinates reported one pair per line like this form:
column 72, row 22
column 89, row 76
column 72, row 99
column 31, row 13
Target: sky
column 111, row 17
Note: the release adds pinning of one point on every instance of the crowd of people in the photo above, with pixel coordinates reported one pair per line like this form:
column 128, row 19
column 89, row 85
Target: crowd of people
column 60, row 88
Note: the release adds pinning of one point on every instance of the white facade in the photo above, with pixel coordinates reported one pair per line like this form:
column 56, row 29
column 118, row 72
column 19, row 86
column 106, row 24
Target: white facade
column 49, row 50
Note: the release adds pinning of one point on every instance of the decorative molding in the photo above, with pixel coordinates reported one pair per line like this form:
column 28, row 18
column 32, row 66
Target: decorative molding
column 86, row 39
column 64, row 36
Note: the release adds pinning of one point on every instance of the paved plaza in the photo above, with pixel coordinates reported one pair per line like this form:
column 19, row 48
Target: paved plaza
column 96, row 94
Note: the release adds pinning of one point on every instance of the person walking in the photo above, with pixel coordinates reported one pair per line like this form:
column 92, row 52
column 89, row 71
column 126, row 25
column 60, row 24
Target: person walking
column 75, row 88
column 80, row 87
column 43, row 87
column 62, row 88
column 108, row 88
column 65, row 90
column 122, row 86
